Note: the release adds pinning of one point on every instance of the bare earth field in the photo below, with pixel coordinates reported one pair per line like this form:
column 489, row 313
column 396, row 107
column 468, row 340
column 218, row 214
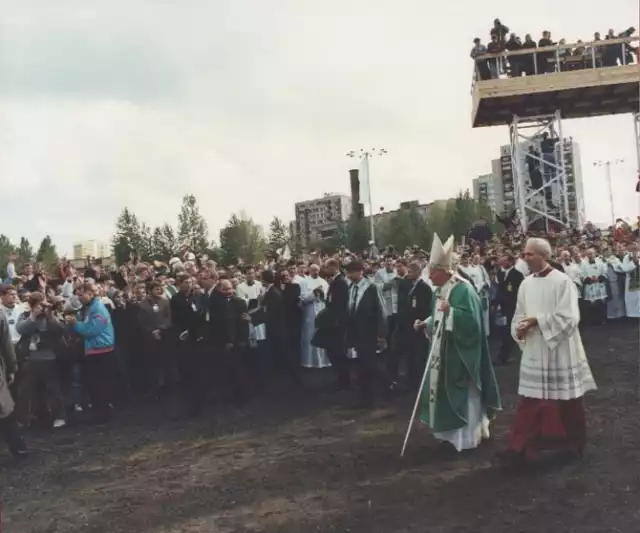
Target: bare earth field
column 306, row 463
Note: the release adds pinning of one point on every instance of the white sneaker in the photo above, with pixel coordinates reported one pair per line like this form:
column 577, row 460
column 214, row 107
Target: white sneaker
column 59, row 423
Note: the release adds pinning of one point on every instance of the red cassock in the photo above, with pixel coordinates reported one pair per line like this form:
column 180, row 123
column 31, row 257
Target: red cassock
column 548, row 425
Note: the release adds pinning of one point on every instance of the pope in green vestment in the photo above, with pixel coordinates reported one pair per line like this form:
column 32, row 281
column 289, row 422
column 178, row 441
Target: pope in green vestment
column 460, row 391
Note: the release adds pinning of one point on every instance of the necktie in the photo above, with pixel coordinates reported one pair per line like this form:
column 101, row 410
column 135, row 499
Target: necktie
column 354, row 299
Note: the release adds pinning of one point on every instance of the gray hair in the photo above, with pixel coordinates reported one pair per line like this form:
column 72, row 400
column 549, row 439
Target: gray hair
column 541, row 246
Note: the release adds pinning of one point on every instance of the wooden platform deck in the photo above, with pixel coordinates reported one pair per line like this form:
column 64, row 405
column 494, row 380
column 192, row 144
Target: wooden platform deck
column 577, row 94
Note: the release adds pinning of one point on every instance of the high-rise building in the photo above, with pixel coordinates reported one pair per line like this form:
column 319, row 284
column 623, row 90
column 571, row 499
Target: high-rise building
column 488, row 189
column 504, row 174
column 91, row 248
column 321, row 218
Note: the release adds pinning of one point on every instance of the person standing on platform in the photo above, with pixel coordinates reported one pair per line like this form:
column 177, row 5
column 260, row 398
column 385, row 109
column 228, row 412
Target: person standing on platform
column 554, row 371
column 460, row 391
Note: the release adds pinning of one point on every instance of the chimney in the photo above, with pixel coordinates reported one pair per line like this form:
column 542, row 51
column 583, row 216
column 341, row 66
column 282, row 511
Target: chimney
column 355, row 190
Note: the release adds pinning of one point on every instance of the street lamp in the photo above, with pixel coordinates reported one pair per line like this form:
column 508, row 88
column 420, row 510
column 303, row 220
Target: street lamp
column 607, row 168
column 364, row 156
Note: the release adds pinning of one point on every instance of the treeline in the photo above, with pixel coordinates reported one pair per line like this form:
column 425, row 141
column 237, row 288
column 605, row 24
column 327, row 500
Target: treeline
column 243, row 240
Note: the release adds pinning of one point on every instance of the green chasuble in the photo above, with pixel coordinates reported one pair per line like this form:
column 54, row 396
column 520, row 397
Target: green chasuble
column 461, row 359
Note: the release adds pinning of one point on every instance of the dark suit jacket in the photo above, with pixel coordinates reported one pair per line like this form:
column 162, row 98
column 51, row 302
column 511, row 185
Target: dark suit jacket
column 507, row 294
column 292, row 312
column 368, row 323
column 227, row 324
column 414, row 303
column 274, row 314
column 331, row 322
column 159, row 319
column 183, row 314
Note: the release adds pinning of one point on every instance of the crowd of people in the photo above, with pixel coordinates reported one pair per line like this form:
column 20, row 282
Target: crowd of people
column 79, row 344
column 579, row 57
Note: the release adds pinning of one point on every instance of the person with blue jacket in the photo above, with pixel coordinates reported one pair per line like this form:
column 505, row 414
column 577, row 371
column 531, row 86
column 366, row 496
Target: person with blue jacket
column 93, row 324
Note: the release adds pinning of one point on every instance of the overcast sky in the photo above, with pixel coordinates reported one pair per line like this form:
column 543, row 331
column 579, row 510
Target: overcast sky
column 252, row 104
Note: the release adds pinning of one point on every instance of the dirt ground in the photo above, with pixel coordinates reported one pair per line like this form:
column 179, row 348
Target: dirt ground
column 308, row 464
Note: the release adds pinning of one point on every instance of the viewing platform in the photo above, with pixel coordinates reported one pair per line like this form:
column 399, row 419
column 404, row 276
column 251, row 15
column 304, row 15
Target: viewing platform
column 580, row 85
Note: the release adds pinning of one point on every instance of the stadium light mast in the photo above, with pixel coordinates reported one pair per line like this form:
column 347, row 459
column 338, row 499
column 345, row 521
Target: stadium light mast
column 364, row 156
column 607, row 169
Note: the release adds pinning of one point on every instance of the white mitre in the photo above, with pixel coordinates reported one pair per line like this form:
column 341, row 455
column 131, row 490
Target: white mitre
column 441, row 257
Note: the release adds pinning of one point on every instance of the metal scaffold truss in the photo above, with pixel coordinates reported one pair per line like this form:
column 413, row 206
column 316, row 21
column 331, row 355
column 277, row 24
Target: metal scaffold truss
column 538, row 154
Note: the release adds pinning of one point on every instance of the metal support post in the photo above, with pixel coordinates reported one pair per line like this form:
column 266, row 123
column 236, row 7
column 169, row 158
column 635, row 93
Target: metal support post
column 542, row 196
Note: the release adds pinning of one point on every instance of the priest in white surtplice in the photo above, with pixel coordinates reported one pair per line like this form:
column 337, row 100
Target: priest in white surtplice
column 631, row 267
column 554, row 371
column 314, row 291
column 594, row 280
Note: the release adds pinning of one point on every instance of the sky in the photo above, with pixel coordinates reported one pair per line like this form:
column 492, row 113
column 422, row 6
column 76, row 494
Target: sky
column 251, row 105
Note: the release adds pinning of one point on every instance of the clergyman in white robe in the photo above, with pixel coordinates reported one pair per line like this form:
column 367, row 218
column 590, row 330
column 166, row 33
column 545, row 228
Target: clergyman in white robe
column 251, row 290
column 312, row 304
column 615, row 303
column 631, row 268
column 554, row 371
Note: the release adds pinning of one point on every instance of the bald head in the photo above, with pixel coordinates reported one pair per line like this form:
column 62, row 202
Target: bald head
column 314, row 270
column 226, row 287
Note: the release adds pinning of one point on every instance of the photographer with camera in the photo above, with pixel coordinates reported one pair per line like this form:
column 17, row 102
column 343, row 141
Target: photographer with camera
column 41, row 334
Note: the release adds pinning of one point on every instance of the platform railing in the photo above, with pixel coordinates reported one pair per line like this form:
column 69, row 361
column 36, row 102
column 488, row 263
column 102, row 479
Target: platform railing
column 557, row 58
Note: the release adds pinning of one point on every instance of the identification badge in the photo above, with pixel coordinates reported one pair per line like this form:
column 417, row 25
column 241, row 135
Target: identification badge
column 413, row 303
column 155, row 308
column 509, row 288
column 193, row 306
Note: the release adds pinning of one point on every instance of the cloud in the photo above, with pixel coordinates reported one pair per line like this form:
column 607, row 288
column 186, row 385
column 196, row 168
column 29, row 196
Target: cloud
column 251, row 105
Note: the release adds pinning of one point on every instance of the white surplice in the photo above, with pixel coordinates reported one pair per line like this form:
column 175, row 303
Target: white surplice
column 596, row 290
column 615, row 304
column 632, row 286
column 554, row 365
column 575, row 273
column 390, row 294
column 312, row 356
column 252, row 292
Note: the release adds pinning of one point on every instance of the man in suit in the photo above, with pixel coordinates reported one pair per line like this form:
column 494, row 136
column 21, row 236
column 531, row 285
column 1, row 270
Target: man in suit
column 155, row 317
column 187, row 329
column 230, row 328
column 331, row 324
column 509, row 280
column 277, row 342
column 414, row 303
column 366, row 332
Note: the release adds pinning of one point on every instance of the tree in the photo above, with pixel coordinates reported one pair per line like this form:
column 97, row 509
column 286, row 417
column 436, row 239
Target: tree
column 192, row 228
column 357, row 234
column 463, row 212
column 25, row 251
column 47, row 254
column 165, row 243
column 241, row 240
column 6, row 248
column 278, row 237
column 404, row 229
column 145, row 247
column 128, row 237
